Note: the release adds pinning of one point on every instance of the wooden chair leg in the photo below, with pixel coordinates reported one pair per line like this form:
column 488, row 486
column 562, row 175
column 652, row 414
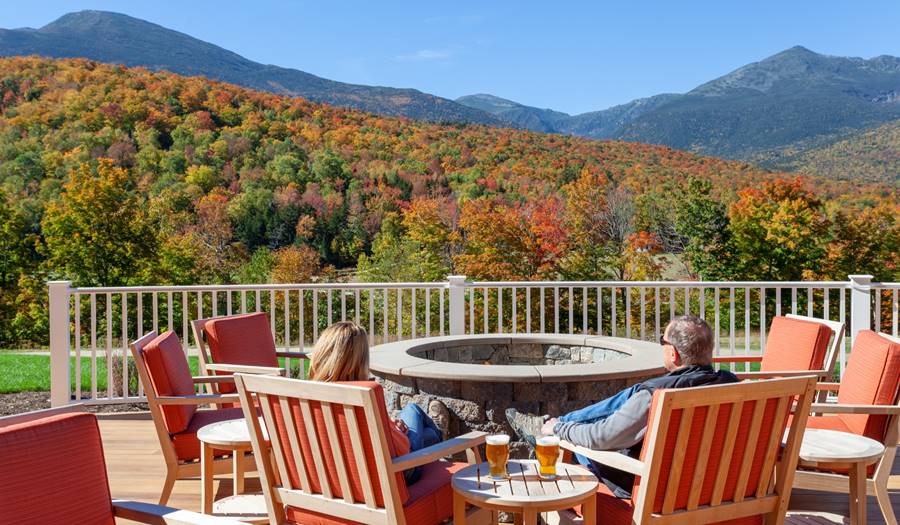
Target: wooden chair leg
column 238, row 481
column 858, row 494
column 171, row 476
column 884, row 502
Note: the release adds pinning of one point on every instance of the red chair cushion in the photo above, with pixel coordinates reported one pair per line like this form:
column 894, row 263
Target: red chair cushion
column 240, row 340
column 430, row 500
column 187, row 446
column 54, row 472
column 170, row 375
column 872, row 378
column 795, row 344
column 614, row 511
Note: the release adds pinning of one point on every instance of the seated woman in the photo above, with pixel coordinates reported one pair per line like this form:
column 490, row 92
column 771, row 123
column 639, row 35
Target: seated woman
column 342, row 354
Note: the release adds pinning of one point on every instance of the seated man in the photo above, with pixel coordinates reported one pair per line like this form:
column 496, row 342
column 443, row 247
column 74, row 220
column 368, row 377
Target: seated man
column 620, row 422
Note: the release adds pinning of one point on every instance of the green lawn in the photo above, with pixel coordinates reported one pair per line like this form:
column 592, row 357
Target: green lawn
column 31, row 373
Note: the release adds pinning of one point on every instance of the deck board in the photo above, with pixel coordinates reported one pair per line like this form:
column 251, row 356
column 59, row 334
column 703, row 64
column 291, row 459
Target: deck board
column 137, row 470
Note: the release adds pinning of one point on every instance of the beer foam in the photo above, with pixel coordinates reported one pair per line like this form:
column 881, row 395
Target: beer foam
column 497, row 439
column 548, row 441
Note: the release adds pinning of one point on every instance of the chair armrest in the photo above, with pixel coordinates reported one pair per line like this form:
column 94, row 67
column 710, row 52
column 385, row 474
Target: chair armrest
column 246, row 369
column 198, row 399
column 737, row 359
column 612, row 459
column 160, row 514
column 843, row 408
column 213, row 379
column 287, row 353
column 438, row 451
column 828, row 387
column 781, row 373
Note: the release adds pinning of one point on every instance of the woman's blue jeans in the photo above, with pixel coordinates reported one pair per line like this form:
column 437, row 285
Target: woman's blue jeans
column 422, row 433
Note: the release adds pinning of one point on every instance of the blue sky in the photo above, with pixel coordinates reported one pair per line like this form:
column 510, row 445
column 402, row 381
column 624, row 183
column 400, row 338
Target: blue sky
column 569, row 56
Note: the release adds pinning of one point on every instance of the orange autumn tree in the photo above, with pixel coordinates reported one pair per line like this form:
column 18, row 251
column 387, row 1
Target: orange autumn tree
column 778, row 231
column 498, row 242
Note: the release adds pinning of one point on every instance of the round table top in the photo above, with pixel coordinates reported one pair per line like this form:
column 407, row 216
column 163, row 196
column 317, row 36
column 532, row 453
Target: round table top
column 524, row 488
column 832, row 446
column 232, row 433
column 249, row 508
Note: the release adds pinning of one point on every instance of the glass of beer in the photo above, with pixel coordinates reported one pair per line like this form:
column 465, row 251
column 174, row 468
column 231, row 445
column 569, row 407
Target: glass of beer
column 547, row 452
column 497, row 451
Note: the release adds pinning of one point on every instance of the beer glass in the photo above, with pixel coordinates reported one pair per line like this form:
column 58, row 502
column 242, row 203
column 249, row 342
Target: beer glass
column 547, row 452
column 497, row 451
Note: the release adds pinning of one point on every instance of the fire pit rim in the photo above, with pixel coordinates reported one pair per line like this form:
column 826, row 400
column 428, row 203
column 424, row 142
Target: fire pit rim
column 398, row 358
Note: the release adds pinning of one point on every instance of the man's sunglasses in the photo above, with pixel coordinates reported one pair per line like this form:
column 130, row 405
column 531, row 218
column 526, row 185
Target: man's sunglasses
column 663, row 341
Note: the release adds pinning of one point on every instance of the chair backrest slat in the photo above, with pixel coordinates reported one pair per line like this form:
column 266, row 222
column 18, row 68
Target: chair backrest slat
column 697, row 473
column 750, row 450
column 336, row 452
column 687, row 417
column 709, row 429
column 318, row 460
column 734, row 420
column 294, row 444
column 272, row 430
column 363, row 469
column 772, row 450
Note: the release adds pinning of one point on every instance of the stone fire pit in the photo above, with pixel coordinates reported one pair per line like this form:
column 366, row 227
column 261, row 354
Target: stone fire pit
column 467, row 382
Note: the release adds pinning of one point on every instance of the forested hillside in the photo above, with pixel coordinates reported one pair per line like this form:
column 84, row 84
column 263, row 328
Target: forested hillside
column 869, row 155
column 117, row 176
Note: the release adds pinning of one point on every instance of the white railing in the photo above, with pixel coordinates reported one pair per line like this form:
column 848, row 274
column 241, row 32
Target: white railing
column 90, row 328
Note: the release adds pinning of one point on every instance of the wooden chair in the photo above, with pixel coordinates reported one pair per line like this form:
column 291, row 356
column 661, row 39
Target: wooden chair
column 795, row 345
column 711, row 454
column 164, row 371
column 54, row 472
column 238, row 343
column 868, row 404
column 334, row 461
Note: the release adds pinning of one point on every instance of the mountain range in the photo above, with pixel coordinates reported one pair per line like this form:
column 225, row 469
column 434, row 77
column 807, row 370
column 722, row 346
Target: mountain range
column 769, row 112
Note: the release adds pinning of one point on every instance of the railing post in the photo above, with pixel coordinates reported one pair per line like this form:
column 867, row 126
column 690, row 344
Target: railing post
column 860, row 304
column 59, row 343
column 457, row 286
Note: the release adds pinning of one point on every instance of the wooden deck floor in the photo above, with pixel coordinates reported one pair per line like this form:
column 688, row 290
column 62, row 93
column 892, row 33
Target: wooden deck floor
column 136, row 472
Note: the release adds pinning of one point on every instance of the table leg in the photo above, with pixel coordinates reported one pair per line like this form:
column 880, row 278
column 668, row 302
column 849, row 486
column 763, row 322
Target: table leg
column 206, row 478
column 238, row 459
column 530, row 517
column 858, row 494
column 589, row 510
column 459, row 509
column 517, row 518
column 495, row 517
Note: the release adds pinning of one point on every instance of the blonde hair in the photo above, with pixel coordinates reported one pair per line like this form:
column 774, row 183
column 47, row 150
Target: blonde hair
column 341, row 354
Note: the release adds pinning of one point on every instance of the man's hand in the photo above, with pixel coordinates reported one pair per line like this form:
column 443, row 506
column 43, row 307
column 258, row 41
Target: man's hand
column 401, row 426
column 547, row 427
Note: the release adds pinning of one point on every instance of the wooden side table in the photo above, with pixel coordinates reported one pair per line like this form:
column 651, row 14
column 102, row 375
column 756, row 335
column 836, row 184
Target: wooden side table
column 525, row 493
column 235, row 436
column 831, row 449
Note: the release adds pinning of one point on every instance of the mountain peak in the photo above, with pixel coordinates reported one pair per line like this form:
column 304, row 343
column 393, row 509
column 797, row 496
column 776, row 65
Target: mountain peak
column 91, row 20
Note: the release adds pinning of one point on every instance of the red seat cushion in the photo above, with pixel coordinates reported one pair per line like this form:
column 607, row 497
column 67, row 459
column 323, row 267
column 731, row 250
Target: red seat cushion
column 872, row 378
column 240, row 340
column 53, row 471
column 430, row 500
column 795, row 344
column 187, row 446
column 170, row 375
column 613, row 511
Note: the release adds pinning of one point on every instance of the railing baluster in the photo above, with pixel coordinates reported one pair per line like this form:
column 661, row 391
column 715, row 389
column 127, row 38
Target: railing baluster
column 612, row 315
column 584, row 310
column 599, row 311
column 718, row 327
column 315, row 315
column 330, row 305
column 427, row 311
column 243, row 301
column 287, row 326
column 731, row 315
column 702, row 291
column 93, row 346
column 441, row 310
column 108, row 349
column 499, row 309
column 687, row 301
column 555, row 310
column 78, row 347
column 472, row 311
column 762, row 319
column 747, row 321
column 412, row 309
column 124, row 328
column 184, row 322
column 656, row 327
column 487, row 300
column 542, row 309
column 385, row 313
column 343, row 305
column 794, row 300
column 227, row 302
column 778, row 301
column 571, row 307
column 515, row 304
column 301, row 318
column 876, row 325
column 643, row 312
column 628, row 312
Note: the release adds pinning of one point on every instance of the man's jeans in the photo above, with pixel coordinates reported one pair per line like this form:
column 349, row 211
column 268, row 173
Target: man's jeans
column 596, row 412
